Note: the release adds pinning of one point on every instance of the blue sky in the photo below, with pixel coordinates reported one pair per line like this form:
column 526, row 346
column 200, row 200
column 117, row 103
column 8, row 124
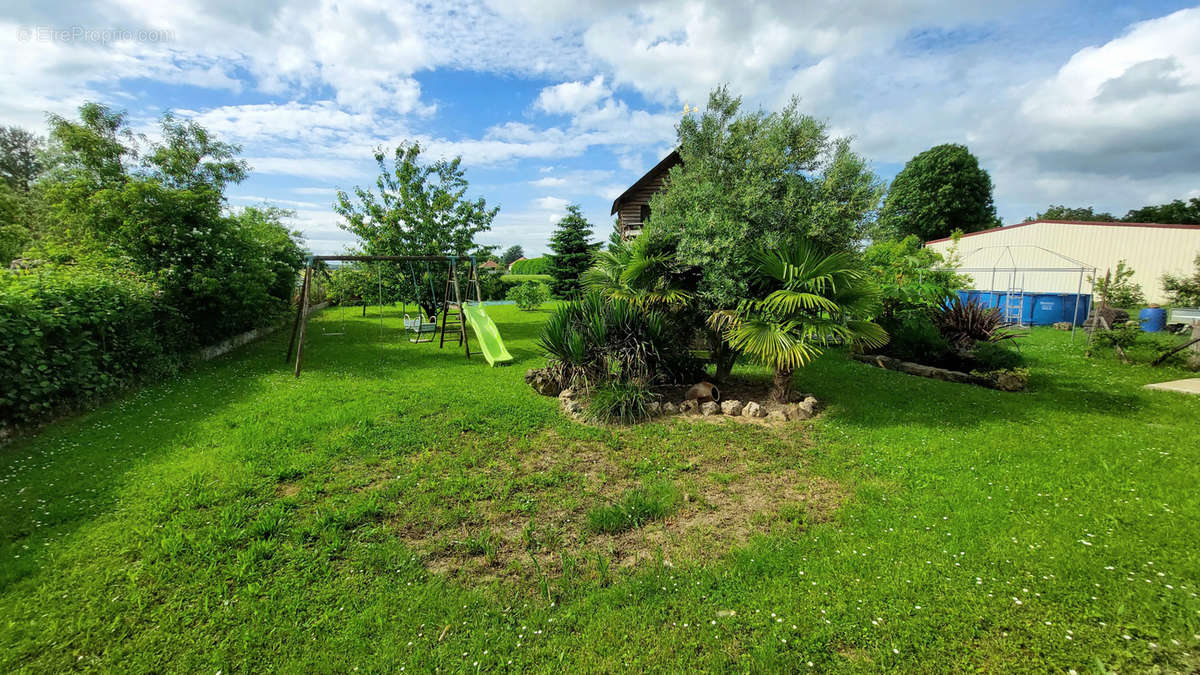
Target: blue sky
column 1082, row 103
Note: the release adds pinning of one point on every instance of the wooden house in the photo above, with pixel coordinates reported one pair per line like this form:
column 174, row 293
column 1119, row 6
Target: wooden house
column 632, row 208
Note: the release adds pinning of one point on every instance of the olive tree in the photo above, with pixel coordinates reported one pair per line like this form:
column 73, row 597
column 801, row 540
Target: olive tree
column 751, row 181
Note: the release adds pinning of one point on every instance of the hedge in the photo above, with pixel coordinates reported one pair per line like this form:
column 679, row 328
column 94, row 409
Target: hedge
column 69, row 334
column 522, row 278
column 531, row 266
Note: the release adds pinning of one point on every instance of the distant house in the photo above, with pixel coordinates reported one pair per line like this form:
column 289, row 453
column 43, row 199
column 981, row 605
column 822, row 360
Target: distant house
column 632, row 208
column 490, row 265
column 510, row 265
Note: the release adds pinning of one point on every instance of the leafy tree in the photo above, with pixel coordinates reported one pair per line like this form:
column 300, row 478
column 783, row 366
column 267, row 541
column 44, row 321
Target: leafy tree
column 937, row 192
column 416, row 208
column 511, row 255
column 810, row 299
column 20, row 157
column 755, row 180
column 1183, row 290
column 1084, row 213
column 165, row 217
column 1176, row 213
column 1118, row 289
column 572, row 253
column 13, row 240
column 911, row 279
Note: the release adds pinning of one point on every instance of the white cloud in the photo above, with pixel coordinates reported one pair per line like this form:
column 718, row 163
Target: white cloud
column 1126, row 108
column 570, row 98
column 554, row 204
column 549, row 181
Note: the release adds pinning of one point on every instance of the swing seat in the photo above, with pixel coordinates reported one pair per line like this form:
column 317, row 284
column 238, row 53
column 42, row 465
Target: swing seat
column 421, row 327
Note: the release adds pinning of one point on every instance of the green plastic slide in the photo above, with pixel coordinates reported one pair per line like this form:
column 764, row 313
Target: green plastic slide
column 487, row 334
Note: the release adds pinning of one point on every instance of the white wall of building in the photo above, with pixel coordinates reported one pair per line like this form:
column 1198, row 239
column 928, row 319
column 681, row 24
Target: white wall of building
column 1151, row 250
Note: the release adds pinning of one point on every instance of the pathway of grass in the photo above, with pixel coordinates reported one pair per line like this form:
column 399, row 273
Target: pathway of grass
column 239, row 519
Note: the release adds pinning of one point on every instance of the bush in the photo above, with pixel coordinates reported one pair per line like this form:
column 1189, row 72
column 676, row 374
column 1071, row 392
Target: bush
column 619, row 403
column 1183, row 291
column 531, row 266
column 989, row 356
column 67, row 334
column 1118, row 289
column 636, row 508
column 917, row 339
column 491, row 287
column 911, row 279
column 514, row 279
column 529, row 296
column 964, row 324
column 598, row 339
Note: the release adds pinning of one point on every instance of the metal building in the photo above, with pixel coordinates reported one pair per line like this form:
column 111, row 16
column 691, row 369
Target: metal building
column 1150, row 249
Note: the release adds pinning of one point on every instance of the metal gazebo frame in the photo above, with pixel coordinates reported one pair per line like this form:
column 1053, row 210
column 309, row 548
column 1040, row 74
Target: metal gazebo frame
column 1072, row 266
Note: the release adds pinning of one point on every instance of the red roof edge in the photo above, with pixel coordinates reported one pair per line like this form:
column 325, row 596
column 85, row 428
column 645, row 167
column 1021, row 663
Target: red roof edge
column 1072, row 222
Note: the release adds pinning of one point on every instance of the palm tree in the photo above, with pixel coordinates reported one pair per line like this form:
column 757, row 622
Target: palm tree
column 815, row 299
column 640, row 271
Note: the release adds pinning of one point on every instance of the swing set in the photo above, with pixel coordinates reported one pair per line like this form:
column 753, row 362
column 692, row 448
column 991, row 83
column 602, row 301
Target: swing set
column 454, row 314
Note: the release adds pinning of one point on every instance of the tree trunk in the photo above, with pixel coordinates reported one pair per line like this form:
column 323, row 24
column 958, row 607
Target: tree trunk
column 364, row 309
column 722, row 356
column 781, row 386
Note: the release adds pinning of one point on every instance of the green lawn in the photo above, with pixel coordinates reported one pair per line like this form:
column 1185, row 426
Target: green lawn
column 400, row 506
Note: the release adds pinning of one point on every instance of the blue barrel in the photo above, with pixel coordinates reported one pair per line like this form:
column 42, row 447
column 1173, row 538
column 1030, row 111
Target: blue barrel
column 1154, row 319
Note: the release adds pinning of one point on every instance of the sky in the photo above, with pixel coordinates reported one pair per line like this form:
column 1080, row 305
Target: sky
column 548, row 102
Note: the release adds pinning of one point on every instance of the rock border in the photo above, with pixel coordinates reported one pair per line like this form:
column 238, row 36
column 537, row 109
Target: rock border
column 571, row 403
column 1000, row 381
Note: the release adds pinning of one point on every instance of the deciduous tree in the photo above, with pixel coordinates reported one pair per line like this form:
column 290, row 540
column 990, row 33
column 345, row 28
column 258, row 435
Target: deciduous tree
column 937, row 192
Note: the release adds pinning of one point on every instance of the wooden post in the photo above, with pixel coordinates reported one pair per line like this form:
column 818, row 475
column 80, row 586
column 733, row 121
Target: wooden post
column 303, row 321
column 299, row 314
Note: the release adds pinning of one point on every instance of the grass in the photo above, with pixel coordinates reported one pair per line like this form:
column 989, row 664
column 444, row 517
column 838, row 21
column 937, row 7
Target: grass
column 636, row 508
column 401, row 506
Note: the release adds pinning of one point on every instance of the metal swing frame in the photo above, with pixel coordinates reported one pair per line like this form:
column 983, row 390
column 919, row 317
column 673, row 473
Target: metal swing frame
column 458, row 325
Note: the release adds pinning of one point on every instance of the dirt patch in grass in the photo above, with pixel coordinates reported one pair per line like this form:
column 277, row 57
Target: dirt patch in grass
column 726, row 495
column 287, row 489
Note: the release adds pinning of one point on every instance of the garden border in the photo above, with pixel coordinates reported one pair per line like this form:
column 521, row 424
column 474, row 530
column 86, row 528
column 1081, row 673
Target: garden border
column 1003, row 381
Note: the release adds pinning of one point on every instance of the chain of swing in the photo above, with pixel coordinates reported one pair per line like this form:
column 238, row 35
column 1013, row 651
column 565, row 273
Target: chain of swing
column 423, row 321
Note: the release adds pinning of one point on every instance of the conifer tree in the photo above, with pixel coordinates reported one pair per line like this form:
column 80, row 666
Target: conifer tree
column 572, row 252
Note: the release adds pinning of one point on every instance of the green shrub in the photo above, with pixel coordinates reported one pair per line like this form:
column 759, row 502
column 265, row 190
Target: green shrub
column 597, row 339
column 1184, row 291
column 513, row 279
column 69, row 334
column 13, row 240
column 529, row 296
column 491, row 287
column 619, row 403
column 989, row 356
column 636, row 508
column 1118, row 289
column 965, row 323
column 916, row 339
column 531, row 266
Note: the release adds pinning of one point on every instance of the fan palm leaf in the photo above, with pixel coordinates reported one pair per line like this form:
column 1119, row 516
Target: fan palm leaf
column 815, row 300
